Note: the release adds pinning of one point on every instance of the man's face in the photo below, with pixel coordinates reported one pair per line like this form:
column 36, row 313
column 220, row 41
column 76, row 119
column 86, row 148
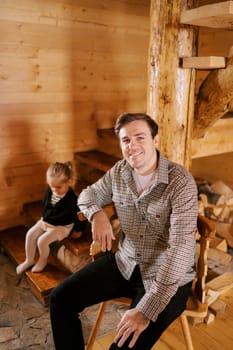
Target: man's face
column 138, row 147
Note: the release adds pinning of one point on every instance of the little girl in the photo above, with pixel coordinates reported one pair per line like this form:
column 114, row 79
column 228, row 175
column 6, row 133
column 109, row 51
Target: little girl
column 58, row 218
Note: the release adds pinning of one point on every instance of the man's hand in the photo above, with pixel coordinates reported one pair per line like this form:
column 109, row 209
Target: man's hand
column 133, row 321
column 102, row 231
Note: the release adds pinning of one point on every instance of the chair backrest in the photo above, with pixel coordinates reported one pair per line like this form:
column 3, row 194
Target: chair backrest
column 206, row 230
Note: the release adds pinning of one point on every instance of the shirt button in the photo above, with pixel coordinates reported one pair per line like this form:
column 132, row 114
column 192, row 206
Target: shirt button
column 141, row 236
column 138, row 254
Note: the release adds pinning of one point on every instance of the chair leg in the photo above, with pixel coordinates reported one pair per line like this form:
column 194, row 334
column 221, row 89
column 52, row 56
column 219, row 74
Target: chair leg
column 95, row 328
column 186, row 331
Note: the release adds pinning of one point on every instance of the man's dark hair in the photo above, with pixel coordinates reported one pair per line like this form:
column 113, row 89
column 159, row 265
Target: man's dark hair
column 126, row 118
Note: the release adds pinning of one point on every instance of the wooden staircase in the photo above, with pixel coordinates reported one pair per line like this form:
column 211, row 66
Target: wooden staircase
column 12, row 241
column 91, row 165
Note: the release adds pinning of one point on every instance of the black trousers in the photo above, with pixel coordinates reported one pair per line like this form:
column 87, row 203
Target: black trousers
column 100, row 281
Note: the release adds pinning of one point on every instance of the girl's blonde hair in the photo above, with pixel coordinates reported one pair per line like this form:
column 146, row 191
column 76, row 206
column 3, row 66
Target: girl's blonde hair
column 64, row 171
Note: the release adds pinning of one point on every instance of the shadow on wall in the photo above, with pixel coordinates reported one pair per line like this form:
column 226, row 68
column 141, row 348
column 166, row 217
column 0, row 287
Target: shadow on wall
column 109, row 70
column 22, row 167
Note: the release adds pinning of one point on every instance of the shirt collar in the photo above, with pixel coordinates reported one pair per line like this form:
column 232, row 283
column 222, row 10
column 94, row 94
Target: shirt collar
column 162, row 169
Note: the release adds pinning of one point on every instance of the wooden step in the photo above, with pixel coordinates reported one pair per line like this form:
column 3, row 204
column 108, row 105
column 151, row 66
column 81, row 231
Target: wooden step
column 12, row 240
column 97, row 159
column 41, row 284
column 210, row 62
column 91, row 165
column 108, row 137
column 32, row 212
column 218, row 15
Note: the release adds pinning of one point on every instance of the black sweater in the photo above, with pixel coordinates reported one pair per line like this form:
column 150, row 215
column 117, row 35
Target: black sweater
column 64, row 212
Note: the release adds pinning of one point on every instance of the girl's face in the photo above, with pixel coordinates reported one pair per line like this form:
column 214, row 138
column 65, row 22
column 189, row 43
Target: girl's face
column 58, row 185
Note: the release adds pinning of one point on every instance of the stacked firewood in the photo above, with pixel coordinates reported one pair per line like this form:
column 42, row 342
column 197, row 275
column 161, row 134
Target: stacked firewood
column 216, row 203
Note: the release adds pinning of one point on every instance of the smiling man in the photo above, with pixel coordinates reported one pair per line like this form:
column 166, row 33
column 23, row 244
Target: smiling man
column 156, row 203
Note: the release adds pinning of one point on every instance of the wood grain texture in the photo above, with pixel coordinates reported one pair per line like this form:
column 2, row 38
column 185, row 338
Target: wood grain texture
column 171, row 88
column 66, row 67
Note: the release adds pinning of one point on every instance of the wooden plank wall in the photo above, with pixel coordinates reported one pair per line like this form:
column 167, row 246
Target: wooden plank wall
column 66, row 67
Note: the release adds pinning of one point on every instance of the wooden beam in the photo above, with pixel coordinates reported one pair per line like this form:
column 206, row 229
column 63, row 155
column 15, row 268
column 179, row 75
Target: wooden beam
column 214, row 96
column 209, row 62
column 170, row 88
column 218, row 15
column 218, row 139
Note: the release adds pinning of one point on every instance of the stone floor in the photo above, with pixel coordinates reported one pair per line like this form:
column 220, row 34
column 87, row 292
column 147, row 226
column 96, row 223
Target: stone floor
column 25, row 322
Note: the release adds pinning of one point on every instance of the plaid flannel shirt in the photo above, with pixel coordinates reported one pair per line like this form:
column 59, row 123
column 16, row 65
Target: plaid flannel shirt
column 158, row 227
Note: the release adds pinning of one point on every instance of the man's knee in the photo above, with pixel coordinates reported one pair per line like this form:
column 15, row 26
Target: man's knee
column 56, row 296
column 61, row 298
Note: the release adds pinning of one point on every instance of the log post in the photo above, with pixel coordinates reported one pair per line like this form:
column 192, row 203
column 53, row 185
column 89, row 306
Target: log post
column 171, row 89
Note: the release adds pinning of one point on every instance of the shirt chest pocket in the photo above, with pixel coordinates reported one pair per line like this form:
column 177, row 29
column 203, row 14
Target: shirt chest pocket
column 158, row 213
column 125, row 208
column 123, row 200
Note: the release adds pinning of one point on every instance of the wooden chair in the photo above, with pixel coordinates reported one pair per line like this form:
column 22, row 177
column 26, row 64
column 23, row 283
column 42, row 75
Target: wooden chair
column 196, row 305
